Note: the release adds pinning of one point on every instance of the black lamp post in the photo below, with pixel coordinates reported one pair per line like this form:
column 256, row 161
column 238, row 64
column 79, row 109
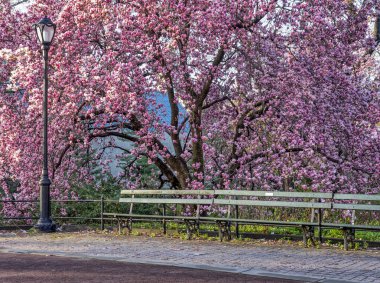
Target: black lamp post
column 45, row 30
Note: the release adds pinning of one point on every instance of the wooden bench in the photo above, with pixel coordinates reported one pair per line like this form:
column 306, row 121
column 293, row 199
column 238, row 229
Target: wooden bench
column 354, row 202
column 274, row 199
column 163, row 198
column 219, row 198
column 313, row 205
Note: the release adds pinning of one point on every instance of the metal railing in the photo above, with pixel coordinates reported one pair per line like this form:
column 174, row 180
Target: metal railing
column 101, row 202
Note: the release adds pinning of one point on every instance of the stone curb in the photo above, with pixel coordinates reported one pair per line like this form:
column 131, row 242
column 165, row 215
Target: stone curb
column 229, row 269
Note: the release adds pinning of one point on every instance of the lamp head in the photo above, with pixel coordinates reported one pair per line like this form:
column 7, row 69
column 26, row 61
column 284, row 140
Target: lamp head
column 45, row 30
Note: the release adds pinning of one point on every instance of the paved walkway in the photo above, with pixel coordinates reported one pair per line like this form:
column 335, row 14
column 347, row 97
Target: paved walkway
column 291, row 262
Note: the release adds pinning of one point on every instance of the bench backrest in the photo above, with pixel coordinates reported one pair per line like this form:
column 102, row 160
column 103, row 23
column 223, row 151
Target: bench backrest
column 236, row 198
column 354, row 200
column 183, row 197
column 293, row 199
column 227, row 198
column 224, row 197
column 252, row 198
column 161, row 196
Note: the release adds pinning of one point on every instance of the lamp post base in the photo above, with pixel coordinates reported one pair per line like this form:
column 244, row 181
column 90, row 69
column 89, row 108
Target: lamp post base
column 46, row 226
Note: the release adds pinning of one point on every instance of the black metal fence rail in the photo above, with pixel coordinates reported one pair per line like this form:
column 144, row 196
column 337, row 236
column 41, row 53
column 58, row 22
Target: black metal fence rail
column 101, row 202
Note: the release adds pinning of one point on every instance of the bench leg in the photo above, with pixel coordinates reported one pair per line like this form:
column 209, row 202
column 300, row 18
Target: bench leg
column 229, row 237
column 308, row 234
column 224, row 230
column 164, row 225
column 119, row 225
column 191, row 228
column 124, row 223
column 129, row 225
column 349, row 237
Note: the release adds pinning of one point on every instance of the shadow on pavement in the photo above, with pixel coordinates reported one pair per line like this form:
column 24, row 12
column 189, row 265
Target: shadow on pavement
column 27, row 268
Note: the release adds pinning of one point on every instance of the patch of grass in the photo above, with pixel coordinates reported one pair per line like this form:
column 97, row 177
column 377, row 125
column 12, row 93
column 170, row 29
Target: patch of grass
column 368, row 236
column 176, row 230
column 33, row 231
column 332, row 233
column 135, row 233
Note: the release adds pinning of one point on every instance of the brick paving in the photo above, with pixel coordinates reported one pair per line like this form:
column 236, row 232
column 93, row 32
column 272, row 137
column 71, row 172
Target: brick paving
column 324, row 265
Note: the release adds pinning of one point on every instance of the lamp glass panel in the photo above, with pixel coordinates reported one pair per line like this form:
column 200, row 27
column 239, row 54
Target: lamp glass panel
column 39, row 34
column 48, row 34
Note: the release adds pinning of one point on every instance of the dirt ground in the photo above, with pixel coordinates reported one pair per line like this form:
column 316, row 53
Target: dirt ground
column 15, row 268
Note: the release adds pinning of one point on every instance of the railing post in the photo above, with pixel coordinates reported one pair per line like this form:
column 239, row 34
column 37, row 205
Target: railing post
column 237, row 223
column 101, row 213
column 164, row 220
column 320, row 223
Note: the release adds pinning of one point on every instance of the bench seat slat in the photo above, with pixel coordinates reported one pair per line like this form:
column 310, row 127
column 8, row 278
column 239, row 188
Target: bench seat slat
column 166, row 201
column 167, row 192
column 256, row 221
column 356, row 206
column 273, row 194
column 150, row 216
column 228, row 193
column 359, row 227
column 356, row 197
column 268, row 222
column 273, row 203
column 252, row 221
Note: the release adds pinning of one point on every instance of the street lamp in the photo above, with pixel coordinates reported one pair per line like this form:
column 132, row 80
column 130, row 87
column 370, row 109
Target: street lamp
column 45, row 30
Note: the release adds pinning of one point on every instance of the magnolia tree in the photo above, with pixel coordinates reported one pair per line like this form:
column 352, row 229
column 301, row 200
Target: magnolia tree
column 278, row 94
